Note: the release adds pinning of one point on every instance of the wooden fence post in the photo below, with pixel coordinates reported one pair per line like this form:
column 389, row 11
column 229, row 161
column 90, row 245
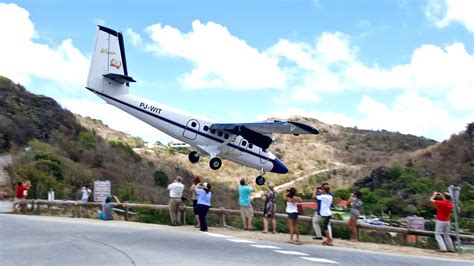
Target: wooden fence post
column 125, row 215
column 223, row 217
column 78, row 211
column 33, row 207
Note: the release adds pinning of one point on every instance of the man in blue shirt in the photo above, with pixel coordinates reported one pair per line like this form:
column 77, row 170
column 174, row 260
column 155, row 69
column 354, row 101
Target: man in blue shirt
column 246, row 209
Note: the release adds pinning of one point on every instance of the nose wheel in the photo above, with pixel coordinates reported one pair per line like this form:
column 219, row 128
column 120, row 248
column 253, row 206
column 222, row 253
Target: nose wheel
column 260, row 180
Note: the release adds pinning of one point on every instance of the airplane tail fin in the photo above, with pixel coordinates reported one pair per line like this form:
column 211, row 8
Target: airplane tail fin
column 108, row 72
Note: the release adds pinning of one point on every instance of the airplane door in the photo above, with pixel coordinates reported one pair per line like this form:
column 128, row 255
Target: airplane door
column 264, row 154
column 192, row 127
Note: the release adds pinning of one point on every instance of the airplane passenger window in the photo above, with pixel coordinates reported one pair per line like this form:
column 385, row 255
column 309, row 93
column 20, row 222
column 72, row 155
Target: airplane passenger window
column 206, row 128
column 193, row 124
column 226, row 136
column 213, row 131
column 219, row 133
column 244, row 143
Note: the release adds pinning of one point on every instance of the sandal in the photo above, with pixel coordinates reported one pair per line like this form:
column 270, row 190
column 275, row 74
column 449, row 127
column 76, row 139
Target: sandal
column 327, row 244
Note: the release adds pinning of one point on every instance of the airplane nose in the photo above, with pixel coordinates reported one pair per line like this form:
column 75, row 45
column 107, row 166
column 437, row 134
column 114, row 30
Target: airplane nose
column 279, row 167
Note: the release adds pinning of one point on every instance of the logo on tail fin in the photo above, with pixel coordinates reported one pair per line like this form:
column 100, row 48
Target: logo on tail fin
column 115, row 63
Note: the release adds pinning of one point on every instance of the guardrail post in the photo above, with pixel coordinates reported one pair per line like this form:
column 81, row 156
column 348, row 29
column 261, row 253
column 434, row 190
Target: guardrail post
column 33, row 207
column 78, row 211
column 125, row 214
column 223, row 217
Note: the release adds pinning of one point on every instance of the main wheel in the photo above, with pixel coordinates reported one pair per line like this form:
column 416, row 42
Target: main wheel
column 193, row 157
column 215, row 163
column 260, row 180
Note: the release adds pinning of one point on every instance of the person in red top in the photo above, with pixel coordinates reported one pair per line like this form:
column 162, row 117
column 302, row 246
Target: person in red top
column 444, row 207
column 20, row 193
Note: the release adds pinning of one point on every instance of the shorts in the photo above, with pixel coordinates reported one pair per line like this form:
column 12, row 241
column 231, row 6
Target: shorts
column 326, row 221
column 195, row 203
column 246, row 211
column 292, row 215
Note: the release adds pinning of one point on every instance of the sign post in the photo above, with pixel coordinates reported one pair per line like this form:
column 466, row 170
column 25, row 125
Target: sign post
column 101, row 190
column 415, row 223
column 454, row 191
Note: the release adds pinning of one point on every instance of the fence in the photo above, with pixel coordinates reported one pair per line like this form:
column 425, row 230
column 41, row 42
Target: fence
column 221, row 212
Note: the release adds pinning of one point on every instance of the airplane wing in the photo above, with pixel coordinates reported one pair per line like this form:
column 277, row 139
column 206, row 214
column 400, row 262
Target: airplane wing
column 259, row 133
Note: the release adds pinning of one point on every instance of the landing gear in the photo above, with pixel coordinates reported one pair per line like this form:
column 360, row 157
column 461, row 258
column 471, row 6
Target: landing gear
column 260, row 180
column 193, row 157
column 215, row 163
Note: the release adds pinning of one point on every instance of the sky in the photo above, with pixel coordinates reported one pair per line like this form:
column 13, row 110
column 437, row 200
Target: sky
column 397, row 65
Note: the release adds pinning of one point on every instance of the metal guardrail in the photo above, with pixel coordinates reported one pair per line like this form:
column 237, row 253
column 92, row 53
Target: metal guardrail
column 221, row 212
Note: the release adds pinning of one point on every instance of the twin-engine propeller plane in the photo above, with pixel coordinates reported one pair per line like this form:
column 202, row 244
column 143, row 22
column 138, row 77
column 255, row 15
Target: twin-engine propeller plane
column 243, row 143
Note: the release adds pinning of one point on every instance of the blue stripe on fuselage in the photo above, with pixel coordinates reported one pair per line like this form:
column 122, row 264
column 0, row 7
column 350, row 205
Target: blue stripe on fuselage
column 180, row 125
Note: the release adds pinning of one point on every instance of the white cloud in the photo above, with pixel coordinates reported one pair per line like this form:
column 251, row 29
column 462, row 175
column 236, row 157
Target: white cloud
column 462, row 98
column 134, row 37
column 444, row 12
column 22, row 57
column 114, row 118
column 411, row 114
column 220, row 59
column 332, row 65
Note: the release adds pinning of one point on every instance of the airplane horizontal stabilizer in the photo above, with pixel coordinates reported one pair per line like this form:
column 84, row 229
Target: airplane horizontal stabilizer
column 119, row 78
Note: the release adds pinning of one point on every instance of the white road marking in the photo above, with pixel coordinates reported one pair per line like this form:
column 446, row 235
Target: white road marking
column 287, row 252
column 265, row 246
column 319, row 260
column 214, row 235
column 240, row 240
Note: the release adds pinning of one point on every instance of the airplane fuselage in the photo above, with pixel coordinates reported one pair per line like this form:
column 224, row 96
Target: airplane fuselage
column 197, row 132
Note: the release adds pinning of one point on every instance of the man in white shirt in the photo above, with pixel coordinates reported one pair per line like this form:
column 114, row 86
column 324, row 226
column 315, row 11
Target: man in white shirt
column 176, row 192
column 85, row 194
column 325, row 212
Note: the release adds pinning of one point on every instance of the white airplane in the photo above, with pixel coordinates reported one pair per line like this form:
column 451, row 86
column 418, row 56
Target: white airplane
column 243, row 143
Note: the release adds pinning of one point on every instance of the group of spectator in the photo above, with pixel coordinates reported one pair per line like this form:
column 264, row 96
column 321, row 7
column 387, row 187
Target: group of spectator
column 201, row 196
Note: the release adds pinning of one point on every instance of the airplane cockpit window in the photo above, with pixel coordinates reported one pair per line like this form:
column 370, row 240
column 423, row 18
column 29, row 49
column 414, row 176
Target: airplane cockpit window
column 206, row 128
column 193, row 124
column 226, row 136
column 219, row 133
column 244, row 143
column 213, row 131
column 250, row 145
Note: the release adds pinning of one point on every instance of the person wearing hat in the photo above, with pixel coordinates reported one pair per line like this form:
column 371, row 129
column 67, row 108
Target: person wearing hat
column 204, row 195
column 444, row 207
column 269, row 208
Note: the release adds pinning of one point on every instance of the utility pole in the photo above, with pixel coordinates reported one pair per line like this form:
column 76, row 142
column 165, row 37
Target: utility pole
column 454, row 191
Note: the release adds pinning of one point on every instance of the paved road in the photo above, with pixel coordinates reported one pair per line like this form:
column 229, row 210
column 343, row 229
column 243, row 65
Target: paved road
column 34, row 240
